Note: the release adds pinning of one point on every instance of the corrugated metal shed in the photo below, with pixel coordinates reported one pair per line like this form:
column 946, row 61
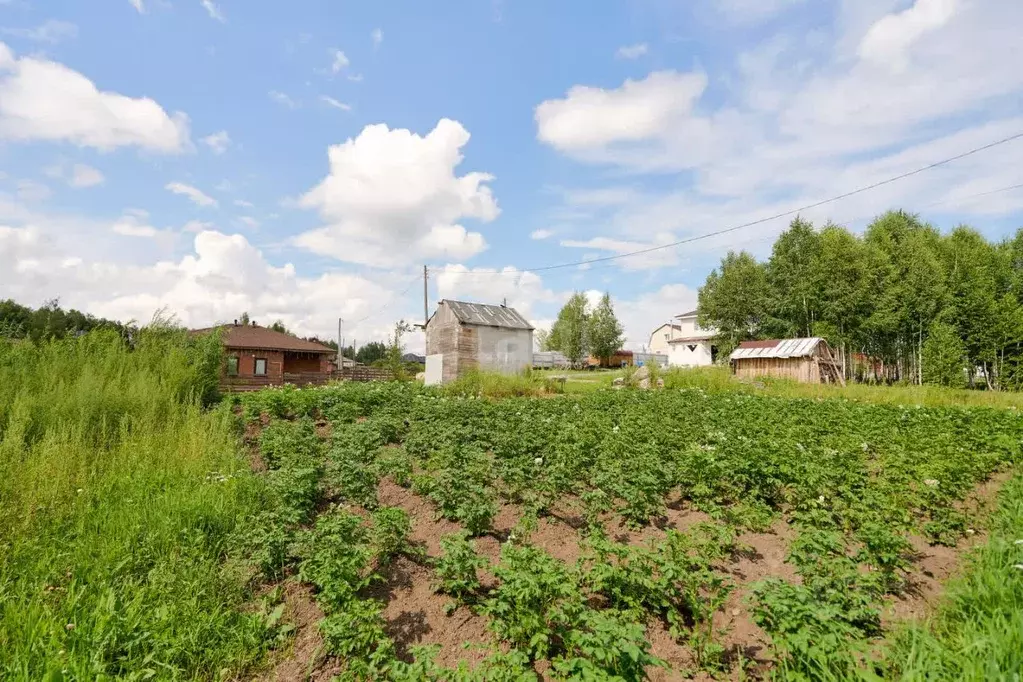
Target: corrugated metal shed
column 487, row 315
column 776, row 348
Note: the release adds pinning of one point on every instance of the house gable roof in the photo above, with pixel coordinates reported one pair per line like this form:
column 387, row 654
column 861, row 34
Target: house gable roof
column 483, row 315
column 261, row 338
column 691, row 313
column 776, row 348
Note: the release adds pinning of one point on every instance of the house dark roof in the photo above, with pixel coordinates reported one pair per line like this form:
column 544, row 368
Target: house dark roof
column 251, row 336
column 487, row 315
column 691, row 313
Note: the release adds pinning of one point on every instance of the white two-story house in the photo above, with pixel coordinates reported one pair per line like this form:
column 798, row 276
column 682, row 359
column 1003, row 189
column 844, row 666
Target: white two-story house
column 685, row 342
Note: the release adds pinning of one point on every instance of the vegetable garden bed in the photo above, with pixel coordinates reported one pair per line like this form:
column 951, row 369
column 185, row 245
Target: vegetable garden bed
column 615, row 535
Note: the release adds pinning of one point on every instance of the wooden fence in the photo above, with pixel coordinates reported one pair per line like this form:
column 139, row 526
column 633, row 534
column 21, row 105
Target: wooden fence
column 360, row 373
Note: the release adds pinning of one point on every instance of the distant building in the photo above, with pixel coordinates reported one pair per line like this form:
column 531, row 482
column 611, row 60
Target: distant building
column 257, row 356
column 463, row 336
column 806, row 360
column 621, row 358
column 550, row 359
column 659, row 337
column 645, row 359
column 689, row 344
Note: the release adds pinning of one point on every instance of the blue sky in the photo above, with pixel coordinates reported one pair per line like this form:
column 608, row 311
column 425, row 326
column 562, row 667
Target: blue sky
column 303, row 161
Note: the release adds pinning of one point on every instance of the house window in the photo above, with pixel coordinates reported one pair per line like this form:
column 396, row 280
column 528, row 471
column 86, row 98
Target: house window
column 260, row 367
column 232, row 365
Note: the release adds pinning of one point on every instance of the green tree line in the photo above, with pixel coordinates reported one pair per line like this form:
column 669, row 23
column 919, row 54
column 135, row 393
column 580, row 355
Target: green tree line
column 580, row 330
column 51, row 322
column 912, row 304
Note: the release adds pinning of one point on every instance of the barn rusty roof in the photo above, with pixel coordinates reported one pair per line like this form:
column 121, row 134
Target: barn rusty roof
column 262, row 338
column 776, row 348
column 487, row 315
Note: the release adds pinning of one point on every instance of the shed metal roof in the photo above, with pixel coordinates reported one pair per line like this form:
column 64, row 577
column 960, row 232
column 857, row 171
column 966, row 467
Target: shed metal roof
column 776, row 348
column 487, row 315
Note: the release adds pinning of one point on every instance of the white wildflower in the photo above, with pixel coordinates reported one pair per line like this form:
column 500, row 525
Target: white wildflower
column 538, row 461
column 821, row 499
column 931, row 482
column 1019, row 542
column 615, row 429
column 1019, row 566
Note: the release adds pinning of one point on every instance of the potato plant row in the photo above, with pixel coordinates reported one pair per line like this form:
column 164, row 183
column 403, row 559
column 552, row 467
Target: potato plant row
column 854, row 479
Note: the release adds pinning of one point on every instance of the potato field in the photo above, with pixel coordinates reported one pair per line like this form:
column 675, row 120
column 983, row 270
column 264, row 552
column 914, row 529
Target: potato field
column 411, row 534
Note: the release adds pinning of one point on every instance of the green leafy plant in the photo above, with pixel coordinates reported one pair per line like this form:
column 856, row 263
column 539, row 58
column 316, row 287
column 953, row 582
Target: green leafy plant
column 535, row 603
column 457, row 568
column 389, row 536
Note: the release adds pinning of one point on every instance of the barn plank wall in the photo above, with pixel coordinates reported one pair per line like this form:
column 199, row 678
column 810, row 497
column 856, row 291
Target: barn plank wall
column 796, row 369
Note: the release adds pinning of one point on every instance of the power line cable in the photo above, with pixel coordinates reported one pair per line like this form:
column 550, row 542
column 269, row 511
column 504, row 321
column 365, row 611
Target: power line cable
column 759, row 221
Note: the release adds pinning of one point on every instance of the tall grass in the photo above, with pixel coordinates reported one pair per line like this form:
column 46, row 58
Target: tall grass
column 978, row 632
column 721, row 379
column 494, row 385
column 118, row 496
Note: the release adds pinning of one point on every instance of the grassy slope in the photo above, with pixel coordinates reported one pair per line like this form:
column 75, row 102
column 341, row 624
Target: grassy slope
column 720, row 379
column 977, row 634
column 113, row 528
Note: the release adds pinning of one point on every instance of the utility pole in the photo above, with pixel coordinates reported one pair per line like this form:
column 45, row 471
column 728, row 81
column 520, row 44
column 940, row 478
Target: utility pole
column 426, row 299
column 340, row 345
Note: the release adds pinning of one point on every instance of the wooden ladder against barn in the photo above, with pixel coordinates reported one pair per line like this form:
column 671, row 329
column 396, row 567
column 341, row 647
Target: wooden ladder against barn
column 830, row 370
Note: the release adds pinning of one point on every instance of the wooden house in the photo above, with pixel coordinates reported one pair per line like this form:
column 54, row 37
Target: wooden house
column 805, row 360
column 463, row 336
column 256, row 357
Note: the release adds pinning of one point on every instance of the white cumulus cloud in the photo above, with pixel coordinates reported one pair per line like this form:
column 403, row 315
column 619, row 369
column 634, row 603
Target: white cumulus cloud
column 393, row 196
column 44, row 100
column 523, row 290
column 541, row 234
column 888, row 39
column 139, row 7
column 589, row 117
column 221, row 276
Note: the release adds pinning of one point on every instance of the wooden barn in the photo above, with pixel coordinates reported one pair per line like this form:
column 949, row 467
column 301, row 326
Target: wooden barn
column 463, row 336
column 805, row 360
